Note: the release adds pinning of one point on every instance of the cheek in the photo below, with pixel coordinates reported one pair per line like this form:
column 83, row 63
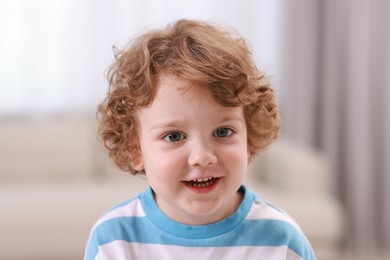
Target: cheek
column 164, row 162
column 236, row 158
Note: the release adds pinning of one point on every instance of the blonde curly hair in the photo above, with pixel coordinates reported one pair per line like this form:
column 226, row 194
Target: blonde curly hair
column 196, row 51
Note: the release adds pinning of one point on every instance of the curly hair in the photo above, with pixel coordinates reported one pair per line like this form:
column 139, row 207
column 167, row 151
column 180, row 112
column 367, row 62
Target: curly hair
column 200, row 53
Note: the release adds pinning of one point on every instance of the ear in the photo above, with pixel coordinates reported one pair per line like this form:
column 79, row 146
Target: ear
column 138, row 164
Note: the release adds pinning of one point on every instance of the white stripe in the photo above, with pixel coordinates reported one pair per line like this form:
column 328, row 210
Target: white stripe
column 131, row 209
column 260, row 208
column 119, row 250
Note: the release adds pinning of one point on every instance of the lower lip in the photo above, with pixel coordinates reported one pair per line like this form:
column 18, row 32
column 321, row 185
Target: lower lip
column 203, row 190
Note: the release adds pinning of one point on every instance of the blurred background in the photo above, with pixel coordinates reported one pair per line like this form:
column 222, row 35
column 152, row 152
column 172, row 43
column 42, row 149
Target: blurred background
column 330, row 65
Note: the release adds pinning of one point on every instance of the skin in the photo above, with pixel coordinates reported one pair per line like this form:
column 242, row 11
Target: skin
column 185, row 135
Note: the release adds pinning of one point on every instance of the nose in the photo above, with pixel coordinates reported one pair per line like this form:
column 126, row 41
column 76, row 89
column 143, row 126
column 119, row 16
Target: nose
column 202, row 154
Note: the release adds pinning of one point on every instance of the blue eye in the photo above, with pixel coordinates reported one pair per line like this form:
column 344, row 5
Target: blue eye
column 222, row 132
column 174, row 137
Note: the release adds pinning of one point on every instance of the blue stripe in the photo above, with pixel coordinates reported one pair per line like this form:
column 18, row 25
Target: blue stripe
column 196, row 232
column 250, row 233
column 92, row 247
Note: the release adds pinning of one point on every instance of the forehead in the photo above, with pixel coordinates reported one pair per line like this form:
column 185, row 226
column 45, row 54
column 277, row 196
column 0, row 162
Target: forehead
column 173, row 87
column 174, row 94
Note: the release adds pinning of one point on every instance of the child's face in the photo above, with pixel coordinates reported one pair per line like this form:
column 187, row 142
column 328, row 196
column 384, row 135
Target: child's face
column 194, row 152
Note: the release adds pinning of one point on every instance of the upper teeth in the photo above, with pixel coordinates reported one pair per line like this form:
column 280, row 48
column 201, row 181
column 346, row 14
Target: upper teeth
column 203, row 179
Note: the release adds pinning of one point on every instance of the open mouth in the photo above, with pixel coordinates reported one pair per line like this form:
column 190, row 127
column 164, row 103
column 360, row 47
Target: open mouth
column 202, row 182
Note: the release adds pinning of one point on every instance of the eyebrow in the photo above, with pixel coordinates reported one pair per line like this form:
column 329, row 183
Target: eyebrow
column 231, row 118
column 179, row 123
column 167, row 124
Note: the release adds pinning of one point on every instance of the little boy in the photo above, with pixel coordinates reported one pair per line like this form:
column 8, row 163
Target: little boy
column 188, row 108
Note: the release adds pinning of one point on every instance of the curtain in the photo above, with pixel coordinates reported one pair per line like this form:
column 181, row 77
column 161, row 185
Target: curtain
column 336, row 86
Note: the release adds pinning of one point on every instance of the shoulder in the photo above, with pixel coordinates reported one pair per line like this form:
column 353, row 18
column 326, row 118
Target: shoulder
column 272, row 226
column 263, row 210
column 118, row 223
column 131, row 208
column 130, row 211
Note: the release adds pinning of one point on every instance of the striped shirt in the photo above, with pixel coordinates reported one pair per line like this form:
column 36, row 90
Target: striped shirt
column 137, row 229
